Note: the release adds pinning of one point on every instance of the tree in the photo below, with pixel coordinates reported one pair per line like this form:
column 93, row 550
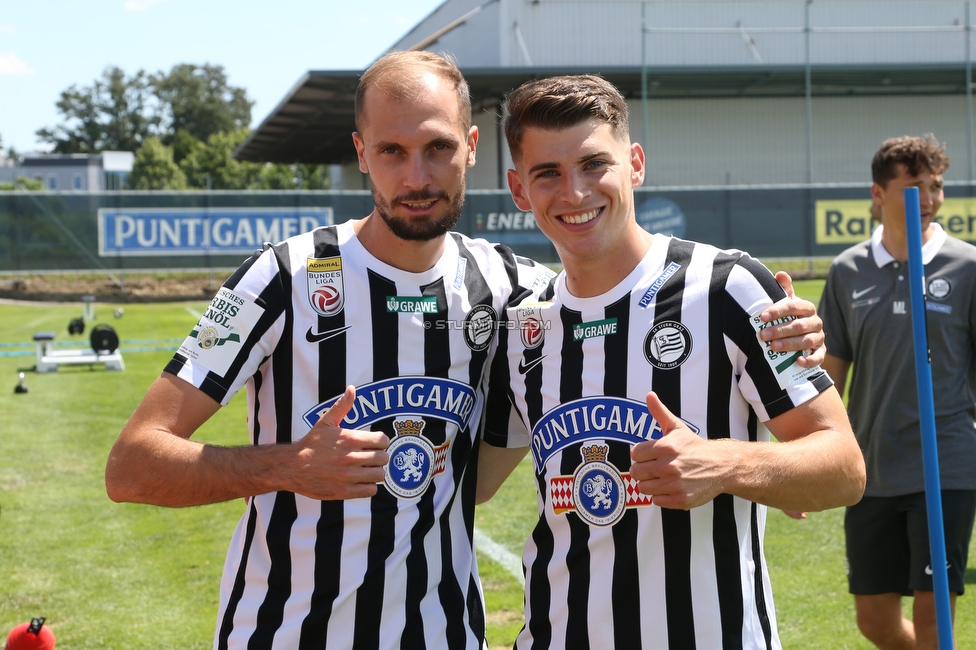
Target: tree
column 199, row 101
column 154, row 169
column 115, row 113
column 23, row 183
column 212, row 166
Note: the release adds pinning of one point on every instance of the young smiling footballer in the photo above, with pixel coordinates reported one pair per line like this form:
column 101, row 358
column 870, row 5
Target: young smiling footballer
column 652, row 505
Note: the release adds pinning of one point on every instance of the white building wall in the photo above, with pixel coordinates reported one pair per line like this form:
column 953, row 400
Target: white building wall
column 763, row 141
column 607, row 33
column 485, row 174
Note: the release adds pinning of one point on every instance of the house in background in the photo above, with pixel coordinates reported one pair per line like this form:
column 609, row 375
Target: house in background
column 74, row 172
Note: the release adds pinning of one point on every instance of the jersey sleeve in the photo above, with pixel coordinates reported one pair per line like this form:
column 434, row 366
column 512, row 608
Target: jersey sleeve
column 772, row 382
column 503, row 425
column 240, row 328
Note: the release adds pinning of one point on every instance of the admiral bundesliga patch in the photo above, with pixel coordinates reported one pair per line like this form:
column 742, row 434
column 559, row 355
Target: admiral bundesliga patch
column 324, row 284
column 783, row 364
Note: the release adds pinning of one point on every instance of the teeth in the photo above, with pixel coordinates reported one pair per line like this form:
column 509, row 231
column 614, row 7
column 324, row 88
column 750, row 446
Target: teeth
column 581, row 218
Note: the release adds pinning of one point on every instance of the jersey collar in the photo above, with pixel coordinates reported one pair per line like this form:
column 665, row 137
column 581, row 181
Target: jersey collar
column 882, row 257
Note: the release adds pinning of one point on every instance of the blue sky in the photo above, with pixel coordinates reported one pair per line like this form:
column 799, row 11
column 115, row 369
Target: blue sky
column 264, row 46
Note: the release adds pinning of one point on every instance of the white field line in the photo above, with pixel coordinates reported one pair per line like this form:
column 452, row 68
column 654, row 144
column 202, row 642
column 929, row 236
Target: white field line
column 509, row 561
column 194, row 313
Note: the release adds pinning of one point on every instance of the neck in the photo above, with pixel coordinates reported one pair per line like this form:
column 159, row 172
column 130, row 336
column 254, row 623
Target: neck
column 895, row 241
column 410, row 256
column 588, row 277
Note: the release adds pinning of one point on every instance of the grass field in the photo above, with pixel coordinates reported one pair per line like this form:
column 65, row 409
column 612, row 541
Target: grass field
column 131, row 577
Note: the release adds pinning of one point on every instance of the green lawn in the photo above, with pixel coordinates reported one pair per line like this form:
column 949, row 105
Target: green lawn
column 131, row 577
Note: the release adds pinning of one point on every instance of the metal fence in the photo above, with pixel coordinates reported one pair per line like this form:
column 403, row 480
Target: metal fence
column 114, row 232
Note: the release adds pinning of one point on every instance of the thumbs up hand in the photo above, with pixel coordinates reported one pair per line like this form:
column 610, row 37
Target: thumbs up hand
column 679, row 470
column 337, row 463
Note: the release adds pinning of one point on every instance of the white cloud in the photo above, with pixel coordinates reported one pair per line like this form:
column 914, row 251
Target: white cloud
column 10, row 64
column 140, row 5
column 6, row 29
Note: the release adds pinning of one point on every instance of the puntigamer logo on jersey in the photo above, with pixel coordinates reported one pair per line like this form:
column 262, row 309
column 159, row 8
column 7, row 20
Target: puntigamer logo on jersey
column 325, row 292
column 594, row 329
column 411, row 304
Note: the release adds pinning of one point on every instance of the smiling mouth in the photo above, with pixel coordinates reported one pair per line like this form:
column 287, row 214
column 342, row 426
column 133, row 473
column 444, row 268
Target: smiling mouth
column 418, row 206
column 580, row 218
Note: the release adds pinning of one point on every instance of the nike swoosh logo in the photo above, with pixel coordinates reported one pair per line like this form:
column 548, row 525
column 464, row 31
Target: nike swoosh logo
column 318, row 337
column 928, row 568
column 857, row 294
column 525, row 367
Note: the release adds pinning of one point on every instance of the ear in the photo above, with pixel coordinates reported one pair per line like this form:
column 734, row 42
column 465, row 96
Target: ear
column 518, row 191
column 360, row 151
column 472, row 145
column 877, row 193
column 637, row 165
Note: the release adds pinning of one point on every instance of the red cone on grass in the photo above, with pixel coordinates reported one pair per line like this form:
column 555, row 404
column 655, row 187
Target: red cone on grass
column 31, row 636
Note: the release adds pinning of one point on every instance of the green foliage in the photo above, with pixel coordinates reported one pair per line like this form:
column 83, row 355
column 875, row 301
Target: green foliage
column 10, row 154
column 114, row 114
column 154, row 168
column 23, row 183
column 189, row 121
column 213, row 166
column 198, row 101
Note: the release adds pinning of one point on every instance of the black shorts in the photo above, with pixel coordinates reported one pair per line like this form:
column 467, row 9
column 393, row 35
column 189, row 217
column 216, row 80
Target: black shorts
column 888, row 542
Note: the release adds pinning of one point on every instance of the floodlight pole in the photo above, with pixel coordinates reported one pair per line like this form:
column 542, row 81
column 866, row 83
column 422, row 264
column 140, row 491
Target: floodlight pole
column 926, row 409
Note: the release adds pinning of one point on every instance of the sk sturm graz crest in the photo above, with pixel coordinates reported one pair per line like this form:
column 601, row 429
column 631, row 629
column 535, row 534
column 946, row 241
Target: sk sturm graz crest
column 413, row 459
column 598, row 492
column 479, row 327
column 667, row 345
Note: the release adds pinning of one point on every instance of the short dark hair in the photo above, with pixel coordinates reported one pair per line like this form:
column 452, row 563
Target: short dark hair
column 396, row 73
column 917, row 154
column 563, row 102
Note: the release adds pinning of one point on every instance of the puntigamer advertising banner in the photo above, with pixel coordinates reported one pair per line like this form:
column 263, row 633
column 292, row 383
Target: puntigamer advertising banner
column 201, row 231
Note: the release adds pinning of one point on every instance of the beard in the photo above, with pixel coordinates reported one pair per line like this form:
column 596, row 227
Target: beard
column 425, row 228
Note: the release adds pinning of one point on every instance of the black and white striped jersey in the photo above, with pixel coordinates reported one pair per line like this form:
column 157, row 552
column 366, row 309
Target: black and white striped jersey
column 295, row 325
column 606, row 568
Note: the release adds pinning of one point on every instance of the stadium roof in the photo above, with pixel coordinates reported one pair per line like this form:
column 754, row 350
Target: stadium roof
column 313, row 123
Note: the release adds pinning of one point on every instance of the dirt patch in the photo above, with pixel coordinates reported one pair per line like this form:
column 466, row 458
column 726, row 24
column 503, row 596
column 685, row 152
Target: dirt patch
column 129, row 288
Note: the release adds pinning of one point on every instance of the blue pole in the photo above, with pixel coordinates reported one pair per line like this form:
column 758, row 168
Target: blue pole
column 926, row 412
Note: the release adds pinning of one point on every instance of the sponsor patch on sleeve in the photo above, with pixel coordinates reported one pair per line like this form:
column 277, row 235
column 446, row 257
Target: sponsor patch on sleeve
column 216, row 340
column 783, row 364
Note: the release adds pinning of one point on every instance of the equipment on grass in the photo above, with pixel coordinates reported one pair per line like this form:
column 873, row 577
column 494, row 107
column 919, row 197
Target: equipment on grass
column 22, row 386
column 76, row 326
column 104, row 349
column 103, row 339
column 119, row 312
column 31, row 636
